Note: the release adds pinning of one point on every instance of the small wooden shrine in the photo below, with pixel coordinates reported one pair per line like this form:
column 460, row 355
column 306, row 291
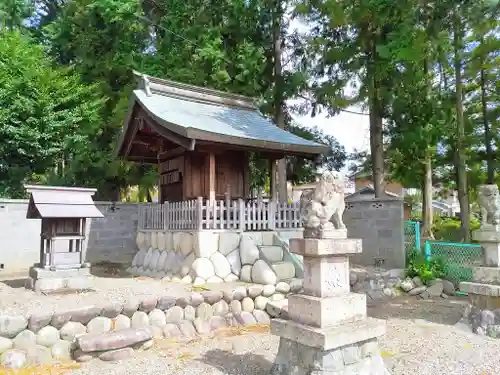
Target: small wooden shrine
column 201, row 139
column 64, row 212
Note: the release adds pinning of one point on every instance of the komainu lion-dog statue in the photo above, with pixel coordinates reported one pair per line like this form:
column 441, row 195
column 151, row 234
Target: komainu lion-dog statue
column 489, row 200
column 321, row 208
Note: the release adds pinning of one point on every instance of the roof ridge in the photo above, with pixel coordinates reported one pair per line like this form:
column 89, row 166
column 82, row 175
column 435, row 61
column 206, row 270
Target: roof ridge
column 154, row 85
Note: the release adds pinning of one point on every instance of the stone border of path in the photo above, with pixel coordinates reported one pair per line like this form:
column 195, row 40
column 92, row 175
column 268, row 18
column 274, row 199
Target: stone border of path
column 114, row 331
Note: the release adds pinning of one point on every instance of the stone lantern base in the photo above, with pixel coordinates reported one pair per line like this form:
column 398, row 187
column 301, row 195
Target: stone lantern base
column 46, row 281
column 328, row 332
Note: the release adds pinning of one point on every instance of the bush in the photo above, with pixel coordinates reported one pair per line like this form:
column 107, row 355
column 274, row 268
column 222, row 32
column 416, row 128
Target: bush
column 447, row 228
column 418, row 265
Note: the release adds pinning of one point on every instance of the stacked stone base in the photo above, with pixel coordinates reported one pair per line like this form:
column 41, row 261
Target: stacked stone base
column 483, row 313
column 45, row 281
column 361, row 358
column 350, row 348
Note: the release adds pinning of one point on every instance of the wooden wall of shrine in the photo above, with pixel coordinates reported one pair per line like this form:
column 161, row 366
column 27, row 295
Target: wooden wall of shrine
column 204, row 174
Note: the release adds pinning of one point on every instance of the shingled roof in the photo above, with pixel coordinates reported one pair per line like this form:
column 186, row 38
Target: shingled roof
column 197, row 113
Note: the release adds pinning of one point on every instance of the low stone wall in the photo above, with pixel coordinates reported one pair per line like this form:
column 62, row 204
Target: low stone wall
column 113, row 331
column 206, row 257
column 432, row 289
column 382, row 284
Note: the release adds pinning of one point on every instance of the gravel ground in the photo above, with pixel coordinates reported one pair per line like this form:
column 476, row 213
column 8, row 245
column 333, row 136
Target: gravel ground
column 420, row 340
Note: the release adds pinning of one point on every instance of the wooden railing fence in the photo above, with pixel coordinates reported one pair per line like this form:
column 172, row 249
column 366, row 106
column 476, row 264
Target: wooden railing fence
column 203, row 214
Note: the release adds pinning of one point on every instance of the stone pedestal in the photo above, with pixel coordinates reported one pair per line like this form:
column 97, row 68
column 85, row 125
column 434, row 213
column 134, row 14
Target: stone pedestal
column 49, row 281
column 484, row 291
column 490, row 241
column 328, row 331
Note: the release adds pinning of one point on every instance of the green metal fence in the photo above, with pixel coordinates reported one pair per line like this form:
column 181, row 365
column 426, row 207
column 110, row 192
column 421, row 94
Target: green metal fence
column 458, row 258
column 411, row 235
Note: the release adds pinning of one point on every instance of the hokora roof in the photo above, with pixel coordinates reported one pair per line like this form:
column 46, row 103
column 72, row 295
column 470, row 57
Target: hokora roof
column 209, row 115
column 61, row 202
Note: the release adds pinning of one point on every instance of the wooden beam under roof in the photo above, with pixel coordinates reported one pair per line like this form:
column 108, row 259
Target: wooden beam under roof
column 168, row 134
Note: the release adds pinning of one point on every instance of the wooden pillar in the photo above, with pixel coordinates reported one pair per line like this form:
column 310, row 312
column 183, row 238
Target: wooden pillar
column 246, row 176
column 211, row 176
column 272, row 179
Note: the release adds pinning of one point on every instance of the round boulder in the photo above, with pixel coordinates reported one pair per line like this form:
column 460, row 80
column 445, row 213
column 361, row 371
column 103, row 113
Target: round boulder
column 25, row 340
column 153, row 262
column 147, row 258
column 61, row 350
column 247, row 304
column 154, row 240
column 13, row 359
column 5, row 344
column 140, row 320
column 203, row 268
column 70, row 330
column 234, row 261
column 121, row 322
column 99, row 325
column 228, row 242
column 157, row 318
column 262, row 273
column 231, row 278
column 47, row 336
column 161, row 261
column 249, row 252
column 161, row 241
column 222, row 268
column 139, row 258
column 246, row 273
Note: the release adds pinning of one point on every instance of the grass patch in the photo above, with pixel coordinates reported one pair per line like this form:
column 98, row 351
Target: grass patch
column 52, row 369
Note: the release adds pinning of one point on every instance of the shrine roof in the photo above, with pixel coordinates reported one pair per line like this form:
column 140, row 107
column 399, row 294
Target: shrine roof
column 61, row 202
column 208, row 115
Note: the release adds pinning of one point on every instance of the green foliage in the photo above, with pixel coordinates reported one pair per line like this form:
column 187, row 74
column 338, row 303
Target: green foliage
column 46, row 113
column 395, row 60
column 300, row 170
column 13, row 13
column 418, row 265
column 448, row 228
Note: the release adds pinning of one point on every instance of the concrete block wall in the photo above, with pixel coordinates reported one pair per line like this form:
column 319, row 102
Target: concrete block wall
column 111, row 238
column 19, row 237
column 379, row 222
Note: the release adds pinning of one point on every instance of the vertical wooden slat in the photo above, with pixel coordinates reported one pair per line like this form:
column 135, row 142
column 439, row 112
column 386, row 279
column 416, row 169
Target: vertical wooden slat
column 211, row 176
column 214, row 214
column 199, row 213
column 235, row 216
column 221, row 217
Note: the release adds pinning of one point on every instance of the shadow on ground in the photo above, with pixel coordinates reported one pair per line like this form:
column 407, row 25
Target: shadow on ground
column 15, row 283
column 441, row 311
column 232, row 363
column 110, row 270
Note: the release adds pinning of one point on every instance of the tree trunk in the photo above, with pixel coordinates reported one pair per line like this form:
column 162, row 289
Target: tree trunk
column 463, row 196
column 376, row 136
column 490, row 179
column 427, row 200
column 279, row 116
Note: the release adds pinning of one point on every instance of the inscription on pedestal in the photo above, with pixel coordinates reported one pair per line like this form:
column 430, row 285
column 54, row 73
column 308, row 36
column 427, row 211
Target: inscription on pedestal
column 326, row 277
column 327, row 312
